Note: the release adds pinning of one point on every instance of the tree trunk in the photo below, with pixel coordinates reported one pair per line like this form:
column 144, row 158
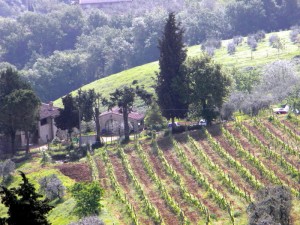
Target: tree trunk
column 173, row 124
column 13, row 141
column 27, row 141
column 98, row 129
column 126, row 126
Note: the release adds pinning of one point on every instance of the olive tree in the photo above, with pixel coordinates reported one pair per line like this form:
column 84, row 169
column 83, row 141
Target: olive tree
column 52, row 187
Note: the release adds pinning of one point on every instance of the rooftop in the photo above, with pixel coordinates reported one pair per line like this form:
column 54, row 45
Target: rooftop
column 48, row 110
column 117, row 111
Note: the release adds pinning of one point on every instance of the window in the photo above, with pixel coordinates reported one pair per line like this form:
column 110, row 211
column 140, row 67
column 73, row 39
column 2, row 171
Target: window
column 43, row 122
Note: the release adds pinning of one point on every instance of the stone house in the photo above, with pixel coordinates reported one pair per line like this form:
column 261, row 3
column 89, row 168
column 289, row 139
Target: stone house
column 45, row 131
column 111, row 122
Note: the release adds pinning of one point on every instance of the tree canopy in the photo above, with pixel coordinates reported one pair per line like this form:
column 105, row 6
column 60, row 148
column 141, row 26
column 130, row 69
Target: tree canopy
column 19, row 106
column 209, row 87
column 124, row 98
column 24, row 205
column 171, row 79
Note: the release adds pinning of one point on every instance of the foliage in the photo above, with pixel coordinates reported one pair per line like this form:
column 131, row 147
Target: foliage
column 120, row 195
column 231, row 48
column 90, row 220
column 89, row 103
column 52, row 187
column 273, row 206
column 171, row 86
column 153, row 117
column 6, row 169
column 24, row 206
column 19, row 106
column 124, row 99
column 68, row 117
column 88, row 197
column 209, row 87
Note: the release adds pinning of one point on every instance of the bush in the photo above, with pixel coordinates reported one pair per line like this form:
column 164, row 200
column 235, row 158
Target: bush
column 91, row 220
column 273, row 39
column 6, row 169
column 231, row 48
column 294, row 34
column 237, row 40
column 259, row 36
column 273, row 206
column 88, row 197
column 251, row 41
column 52, row 187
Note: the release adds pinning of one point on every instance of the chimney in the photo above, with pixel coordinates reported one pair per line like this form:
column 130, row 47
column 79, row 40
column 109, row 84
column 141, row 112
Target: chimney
column 50, row 107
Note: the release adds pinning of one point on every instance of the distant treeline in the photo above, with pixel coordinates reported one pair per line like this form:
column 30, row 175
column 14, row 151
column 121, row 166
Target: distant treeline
column 60, row 46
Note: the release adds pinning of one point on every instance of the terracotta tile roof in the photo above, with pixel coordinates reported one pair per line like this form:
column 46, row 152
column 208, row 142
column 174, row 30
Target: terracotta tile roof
column 82, row 2
column 132, row 115
column 48, row 110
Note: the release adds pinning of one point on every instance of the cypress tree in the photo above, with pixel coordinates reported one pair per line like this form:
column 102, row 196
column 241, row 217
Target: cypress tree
column 171, row 88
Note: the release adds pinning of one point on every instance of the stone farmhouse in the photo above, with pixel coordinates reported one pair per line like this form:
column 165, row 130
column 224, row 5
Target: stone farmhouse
column 45, row 131
column 111, row 122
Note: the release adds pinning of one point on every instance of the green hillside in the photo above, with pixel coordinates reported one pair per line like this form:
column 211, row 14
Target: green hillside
column 242, row 59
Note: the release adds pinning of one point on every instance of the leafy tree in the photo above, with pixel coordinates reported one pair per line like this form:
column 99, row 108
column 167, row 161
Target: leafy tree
column 153, row 117
column 52, row 187
column 273, row 206
column 171, row 87
column 19, row 106
column 231, row 48
column 88, row 197
column 6, row 169
column 252, row 43
column 24, row 206
column 209, row 86
column 246, row 80
column 124, row 98
column 90, row 220
column 89, row 104
column 68, row 117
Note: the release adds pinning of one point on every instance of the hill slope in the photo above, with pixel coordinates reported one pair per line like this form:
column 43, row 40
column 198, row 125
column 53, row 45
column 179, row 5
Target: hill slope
column 242, row 59
column 211, row 174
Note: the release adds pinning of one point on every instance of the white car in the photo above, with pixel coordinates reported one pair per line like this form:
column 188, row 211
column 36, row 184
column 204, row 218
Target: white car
column 202, row 122
column 176, row 124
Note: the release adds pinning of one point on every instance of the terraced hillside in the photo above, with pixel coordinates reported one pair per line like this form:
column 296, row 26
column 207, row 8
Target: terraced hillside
column 191, row 178
column 241, row 59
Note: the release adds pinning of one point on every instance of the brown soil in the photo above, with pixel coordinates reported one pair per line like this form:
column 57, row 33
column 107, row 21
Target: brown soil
column 76, row 171
column 268, row 163
column 191, row 184
column 124, row 182
column 289, row 158
column 150, row 190
column 234, row 154
column 173, row 191
column 227, row 168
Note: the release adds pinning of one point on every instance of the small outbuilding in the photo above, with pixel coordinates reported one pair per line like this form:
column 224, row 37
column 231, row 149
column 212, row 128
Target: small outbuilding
column 112, row 122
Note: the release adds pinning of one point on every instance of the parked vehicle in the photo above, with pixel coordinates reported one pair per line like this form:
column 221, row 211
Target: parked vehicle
column 176, row 124
column 283, row 110
column 202, row 122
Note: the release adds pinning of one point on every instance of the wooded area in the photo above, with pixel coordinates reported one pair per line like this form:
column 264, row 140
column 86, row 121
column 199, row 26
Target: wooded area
column 59, row 47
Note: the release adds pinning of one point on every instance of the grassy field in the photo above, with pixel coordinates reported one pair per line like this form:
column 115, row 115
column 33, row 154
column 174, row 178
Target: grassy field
column 235, row 159
column 242, row 59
